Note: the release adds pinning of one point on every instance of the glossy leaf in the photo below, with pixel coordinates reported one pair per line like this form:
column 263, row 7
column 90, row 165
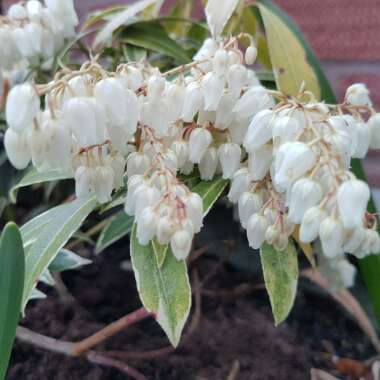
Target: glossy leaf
column 67, row 260
column 34, row 177
column 12, row 269
column 119, row 226
column 164, row 290
column 47, row 234
column 152, row 36
column 281, row 277
column 290, row 65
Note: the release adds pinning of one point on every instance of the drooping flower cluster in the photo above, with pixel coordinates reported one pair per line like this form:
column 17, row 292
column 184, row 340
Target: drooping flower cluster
column 33, row 33
column 288, row 159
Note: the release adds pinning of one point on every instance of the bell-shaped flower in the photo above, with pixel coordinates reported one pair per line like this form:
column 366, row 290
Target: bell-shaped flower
column 249, row 203
column 22, row 107
column 220, row 62
column 224, row 115
column 239, row 185
column 181, row 150
column 137, row 163
column 175, row 98
column 193, row 101
column 260, row 131
column 212, row 89
column 131, row 78
column 310, row 224
column 286, row 129
column 194, row 210
column 256, row 229
column 17, row 12
column 353, row 239
column 292, row 161
column 250, row 55
column 134, row 183
column 146, row 227
column 165, row 230
column 236, row 79
column 200, row 140
column 259, row 162
column 352, row 198
column 363, row 142
column 305, row 193
column 358, row 95
column 180, row 244
column 332, row 237
column 374, row 127
column 229, row 157
column 209, row 163
column 17, row 148
column 34, row 10
column 145, row 196
column 103, row 183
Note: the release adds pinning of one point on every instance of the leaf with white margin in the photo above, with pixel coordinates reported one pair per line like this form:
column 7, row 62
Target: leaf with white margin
column 281, row 278
column 164, row 288
column 218, row 13
column 47, row 234
column 122, row 18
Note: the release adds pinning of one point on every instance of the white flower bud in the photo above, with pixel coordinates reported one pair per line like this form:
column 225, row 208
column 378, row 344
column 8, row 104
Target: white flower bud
column 305, row 193
column 63, row 10
column 181, row 150
column 224, row 115
column 137, row 163
column 200, row 140
column 155, row 114
column 249, row 203
column 208, row 48
column 34, row 9
column 353, row 239
column 146, row 227
column 117, row 163
column 134, row 183
column 250, row 55
column 256, row 230
column 292, row 161
column 310, row 224
column 17, row 148
column 145, row 196
column 165, row 230
column 17, row 12
column 229, row 156
column 286, row 129
column 171, row 161
column 209, row 163
column 272, row 234
column 156, row 87
column 364, row 139
column 175, row 98
column 260, row 130
column 212, row 89
column 84, row 181
column 348, row 125
column 181, row 244
column 22, row 107
column 193, row 101
column 103, row 183
column 352, row 198
column 237, row 130
column 239, row 185
column 236, row 78
column 358, row 95
column 332, row 237
column 253, row 101
column 131, row 78
column 220, row 62
column 259, row 162
column 374, row 126
column 194, row 210
column 34, row 32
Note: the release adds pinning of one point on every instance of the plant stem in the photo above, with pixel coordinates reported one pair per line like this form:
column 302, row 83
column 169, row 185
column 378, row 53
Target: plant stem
column 110, row 330
column 67, row 348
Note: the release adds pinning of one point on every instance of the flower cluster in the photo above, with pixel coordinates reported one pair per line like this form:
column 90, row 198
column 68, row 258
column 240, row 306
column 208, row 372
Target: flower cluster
column 34, row 32
column 288, row 159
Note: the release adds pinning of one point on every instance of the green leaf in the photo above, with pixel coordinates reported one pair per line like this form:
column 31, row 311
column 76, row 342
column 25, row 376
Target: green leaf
column 281, row 277
column 152, row 36
column 119, row 226
column 67, row 260
column 160, row 252
column 12, row 269
column 287, row 54
column 181, row 10
column 210, row 191
column 47, row 234
column 33, row 176
column 163, row 290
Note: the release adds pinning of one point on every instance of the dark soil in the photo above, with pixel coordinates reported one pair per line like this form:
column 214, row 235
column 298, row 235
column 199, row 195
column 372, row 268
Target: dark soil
column 234, row 332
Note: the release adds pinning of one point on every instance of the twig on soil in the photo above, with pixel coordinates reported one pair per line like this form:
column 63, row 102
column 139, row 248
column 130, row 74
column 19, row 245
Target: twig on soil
column 235, row 369
column 110, row 330
column 67, row 348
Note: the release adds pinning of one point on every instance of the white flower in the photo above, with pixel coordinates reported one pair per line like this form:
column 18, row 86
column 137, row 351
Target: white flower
column 260, row 130
column 358, row 95
column 17, row 12
column 22, row 107
column 131, row 78
column 353, row 197
column 165, row 230
column 17, row 148
column 208, row 48
column 103, row 183
column 286, row 129
column 220, row 62
column 146, row 227
column 194, row 210
column 84, row 181
column 229, row 156
column 145, row 196
column 310, row 224
column 236, row 78
column 364, row 139
column 353, row 239
column 347, row 272
column 374, row 126
column 117, row 163
column 239, row 184
column 156, row 87
column 209, row 163
column 34, row 9
column 137, row 163
column 249, row 203
column 256, row 230
column 212, row 88
column 193, row 101
column 181, row 244
column 224, row 115
column 260, row 162
column 155, row 114
column 305, row 193
column 332, row 237
column 134, row 183
column 175, row 98
column 218, row 14
column 200, row 140
column 250, row 55
column 181, row 150
column 293, row 160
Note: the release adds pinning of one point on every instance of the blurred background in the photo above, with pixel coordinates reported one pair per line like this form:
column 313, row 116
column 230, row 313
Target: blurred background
column 345, row 35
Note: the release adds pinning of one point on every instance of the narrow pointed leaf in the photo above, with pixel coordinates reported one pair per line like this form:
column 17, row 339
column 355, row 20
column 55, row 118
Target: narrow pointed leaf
column 12, row 269
column 67, row 260
column 281, row 277
column 163, row 290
